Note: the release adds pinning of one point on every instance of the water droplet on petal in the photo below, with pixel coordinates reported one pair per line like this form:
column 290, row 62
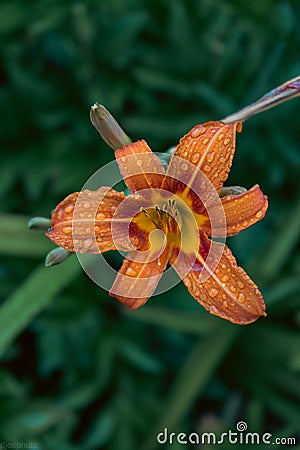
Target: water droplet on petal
column 205, row 141
column 222, row 159
column 241, row 298
column 225, row 304
column 86, row 205
column 100, row 216
column 184, row 166
column 207, row 168
column 226, row 141
column 245, row 223
column 259, row 214
column 123, row 159
column 67, row 230
column 60, row 214
column 88, row 230
column 131, row 272
column 210, row 156
column 225, row 278
column 241, row 284
column 213, row 292
column 139, row 162
column 69, row 209
column 220, row 137
column 232, row 288
column 197, row 131
column 88, row 243
column 195, row 157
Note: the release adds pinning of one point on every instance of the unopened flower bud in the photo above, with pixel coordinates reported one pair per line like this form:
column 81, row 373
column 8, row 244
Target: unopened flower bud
column 56, row 256
column 39, row 223
column 108, row 127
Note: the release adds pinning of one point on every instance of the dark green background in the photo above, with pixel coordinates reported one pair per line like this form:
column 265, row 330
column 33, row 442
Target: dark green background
column 79, row 371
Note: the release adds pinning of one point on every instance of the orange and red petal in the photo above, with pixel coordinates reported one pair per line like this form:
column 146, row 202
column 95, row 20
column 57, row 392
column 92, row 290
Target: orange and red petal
column 138, row 277
column 241, row 211
column 82, row 221
column 209, row 147
column 139, row 166
column 227, row 291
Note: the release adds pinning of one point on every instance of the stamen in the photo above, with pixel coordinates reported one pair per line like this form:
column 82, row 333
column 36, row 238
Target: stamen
column 158, row 211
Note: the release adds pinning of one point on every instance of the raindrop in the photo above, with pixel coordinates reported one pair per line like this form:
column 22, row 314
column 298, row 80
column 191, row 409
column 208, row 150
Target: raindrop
column 131, row 272
column 226, row 141
column 69, row 208
column 197, row 131
column 67, row 230
column 207, row 168
column 259, row 214
column 195, row 157
column 210, row 156
column 88, row 243
column 213, row 292
column 100, row 216
column 241, row 298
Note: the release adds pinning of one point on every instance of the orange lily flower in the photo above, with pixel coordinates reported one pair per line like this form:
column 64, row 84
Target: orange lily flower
column 171, row 215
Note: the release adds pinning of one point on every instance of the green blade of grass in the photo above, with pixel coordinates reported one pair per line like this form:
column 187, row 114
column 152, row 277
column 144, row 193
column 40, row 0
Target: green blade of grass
column 31, row 297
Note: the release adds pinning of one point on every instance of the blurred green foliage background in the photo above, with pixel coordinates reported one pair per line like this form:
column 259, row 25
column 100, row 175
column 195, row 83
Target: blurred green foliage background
column 78, row 370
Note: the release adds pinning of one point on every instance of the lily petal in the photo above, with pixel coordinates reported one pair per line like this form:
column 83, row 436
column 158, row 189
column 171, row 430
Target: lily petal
column 210, row 147
column 137, row 280
column 228, row 292
column 82, row 221
column 139, row 166
column 241, row 211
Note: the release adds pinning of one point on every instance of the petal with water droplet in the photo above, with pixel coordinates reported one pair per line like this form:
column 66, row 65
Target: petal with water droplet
column 82, row 221
column 228, row 291
column 138, row 277
column 139, row 166
column 241, row 211
column 207, row 147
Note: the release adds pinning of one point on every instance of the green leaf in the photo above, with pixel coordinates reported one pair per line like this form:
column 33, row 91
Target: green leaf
column 31, row 297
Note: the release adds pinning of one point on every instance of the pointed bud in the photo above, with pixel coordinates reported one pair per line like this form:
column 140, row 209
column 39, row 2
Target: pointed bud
column 108, row 127
column 56, row 256
column 39, row 223
column 232, row 190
